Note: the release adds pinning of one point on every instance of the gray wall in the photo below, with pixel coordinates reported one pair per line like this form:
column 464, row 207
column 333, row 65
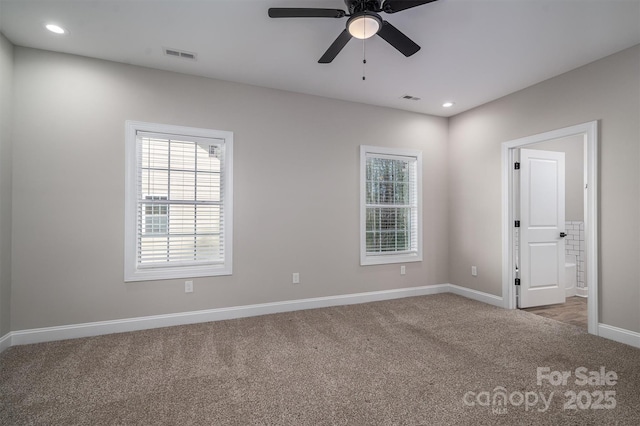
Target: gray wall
column 6, row 99
column 607, row 90
column 295, row 186
column 573, row 147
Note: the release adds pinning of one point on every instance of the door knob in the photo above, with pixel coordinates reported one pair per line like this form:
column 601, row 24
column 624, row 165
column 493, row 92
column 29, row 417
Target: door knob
column 562, row 234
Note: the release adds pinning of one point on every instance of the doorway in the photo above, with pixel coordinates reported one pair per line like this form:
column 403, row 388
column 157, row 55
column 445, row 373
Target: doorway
column 510, row 178
column 573, row 311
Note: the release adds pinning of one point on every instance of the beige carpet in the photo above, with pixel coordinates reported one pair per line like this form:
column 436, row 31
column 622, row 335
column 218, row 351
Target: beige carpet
column 409, row 361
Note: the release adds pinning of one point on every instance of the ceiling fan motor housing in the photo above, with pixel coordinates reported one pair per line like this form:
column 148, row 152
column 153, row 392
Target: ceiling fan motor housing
column 355, row 6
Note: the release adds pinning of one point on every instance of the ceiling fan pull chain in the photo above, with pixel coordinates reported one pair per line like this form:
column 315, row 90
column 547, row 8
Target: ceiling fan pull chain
column 364, row 60
column 364, row 50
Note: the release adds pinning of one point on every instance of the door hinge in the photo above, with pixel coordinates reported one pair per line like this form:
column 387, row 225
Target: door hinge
column 516, row 165
column 517, row 281
column 517, row 224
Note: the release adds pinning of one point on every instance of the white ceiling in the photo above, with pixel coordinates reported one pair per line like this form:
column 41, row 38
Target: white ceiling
column 473, row 51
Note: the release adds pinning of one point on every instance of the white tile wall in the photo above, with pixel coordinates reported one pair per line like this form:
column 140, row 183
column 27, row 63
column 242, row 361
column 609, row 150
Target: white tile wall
column 574, row 246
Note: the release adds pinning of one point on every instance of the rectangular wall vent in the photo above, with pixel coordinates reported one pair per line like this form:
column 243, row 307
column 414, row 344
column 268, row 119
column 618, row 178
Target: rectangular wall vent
column 180, row 54
column 410, row 98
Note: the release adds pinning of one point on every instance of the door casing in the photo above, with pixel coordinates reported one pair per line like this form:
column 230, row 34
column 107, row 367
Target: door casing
column 589, row 131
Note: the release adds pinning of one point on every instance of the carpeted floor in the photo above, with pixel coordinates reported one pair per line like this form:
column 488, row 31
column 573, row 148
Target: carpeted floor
column 431, row 360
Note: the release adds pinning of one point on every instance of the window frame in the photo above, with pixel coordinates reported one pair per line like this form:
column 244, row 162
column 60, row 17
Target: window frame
column 392, row 257
column 131, row 270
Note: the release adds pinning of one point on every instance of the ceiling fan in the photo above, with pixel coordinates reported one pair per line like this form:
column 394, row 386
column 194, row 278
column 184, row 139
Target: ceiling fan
column 364, row 22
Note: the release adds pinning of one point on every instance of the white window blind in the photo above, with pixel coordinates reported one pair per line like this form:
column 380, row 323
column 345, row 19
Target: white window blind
column 182, row 177
column 181, row 205
column 391, row 204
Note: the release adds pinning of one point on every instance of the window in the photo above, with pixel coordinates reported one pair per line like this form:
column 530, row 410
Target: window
column 156, row 216
column 390, row 205
column 178, row 202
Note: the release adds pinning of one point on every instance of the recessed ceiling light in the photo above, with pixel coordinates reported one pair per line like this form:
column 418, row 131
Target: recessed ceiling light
column 55, row 28
column 448, row 104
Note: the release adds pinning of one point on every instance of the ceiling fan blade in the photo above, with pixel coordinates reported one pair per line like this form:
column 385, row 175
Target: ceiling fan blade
column 393, row 6
column 397, row 39
column 335, row 48
column 292, row 12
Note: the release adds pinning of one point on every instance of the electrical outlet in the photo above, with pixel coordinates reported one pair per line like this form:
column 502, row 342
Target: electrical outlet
column 296, row 278
column 474, row 271
column 403, row 270
column 188, row 286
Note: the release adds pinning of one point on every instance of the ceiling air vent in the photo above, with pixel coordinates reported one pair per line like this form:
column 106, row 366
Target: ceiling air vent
column 180, row 54
column 410, row 98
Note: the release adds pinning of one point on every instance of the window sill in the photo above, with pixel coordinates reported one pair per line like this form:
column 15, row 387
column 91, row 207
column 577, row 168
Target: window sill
column 154, row 274
column 390, row 259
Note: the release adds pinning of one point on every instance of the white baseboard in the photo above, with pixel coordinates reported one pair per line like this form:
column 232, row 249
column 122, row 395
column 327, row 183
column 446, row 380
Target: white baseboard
column 480, row 296
column 39, row 335
column 5, row 342
column 621, row 335
column 582, row 291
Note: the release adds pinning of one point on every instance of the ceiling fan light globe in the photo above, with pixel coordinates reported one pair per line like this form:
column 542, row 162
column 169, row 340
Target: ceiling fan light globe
column 363, row 26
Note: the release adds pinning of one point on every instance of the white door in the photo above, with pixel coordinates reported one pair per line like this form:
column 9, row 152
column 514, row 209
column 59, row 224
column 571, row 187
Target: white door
column 542, row 228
